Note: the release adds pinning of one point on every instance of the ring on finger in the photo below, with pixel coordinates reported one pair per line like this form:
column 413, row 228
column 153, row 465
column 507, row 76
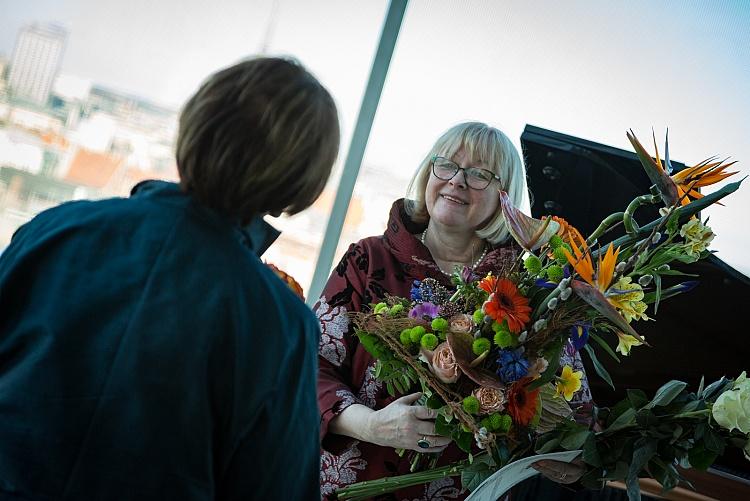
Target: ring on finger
column 423, row 443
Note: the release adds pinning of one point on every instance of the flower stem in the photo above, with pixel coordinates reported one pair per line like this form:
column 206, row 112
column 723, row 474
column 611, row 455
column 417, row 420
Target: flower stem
column 370, row 488
column 603, row 226
column 700, row 413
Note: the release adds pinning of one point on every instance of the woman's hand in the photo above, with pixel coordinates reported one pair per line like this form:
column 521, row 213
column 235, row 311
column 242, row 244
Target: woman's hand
column 560, row 471
column 401, row 425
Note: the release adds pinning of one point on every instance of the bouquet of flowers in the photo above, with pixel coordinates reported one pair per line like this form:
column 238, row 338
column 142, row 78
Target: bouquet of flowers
column 487, row 353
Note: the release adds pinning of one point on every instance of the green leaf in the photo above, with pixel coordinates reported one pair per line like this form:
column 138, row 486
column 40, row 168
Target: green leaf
column 625, row 419
column 715, row 388
column 633, row 489
column 464, row 440
column 547, row 443
column 637, row 398
column 657, row 283
column 475, row 474
column 646, row 419
column 620, row 472
column 604, row 345
column 714, row 441
column 575, row 440
column 699, row 393
column 666, row 394
column 693, row 405
column 598, row 367
column 645, row 448
column 442, row 427
column 434, row 402
column 700, row 457
column 590, row 452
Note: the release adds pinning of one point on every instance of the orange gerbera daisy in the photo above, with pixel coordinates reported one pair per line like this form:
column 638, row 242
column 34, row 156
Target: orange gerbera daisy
column 521, row 404
column 506, row 303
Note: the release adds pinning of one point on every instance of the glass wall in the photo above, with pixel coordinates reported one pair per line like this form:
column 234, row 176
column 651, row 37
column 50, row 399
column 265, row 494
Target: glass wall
column 586, row 69
column 90, row 92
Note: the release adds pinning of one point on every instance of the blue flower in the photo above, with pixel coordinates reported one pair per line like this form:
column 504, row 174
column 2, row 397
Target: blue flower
column 415, row 294
column 579, row 334
column 513, row 366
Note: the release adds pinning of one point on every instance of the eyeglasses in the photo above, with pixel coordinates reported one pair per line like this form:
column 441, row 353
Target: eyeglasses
column 475, row 177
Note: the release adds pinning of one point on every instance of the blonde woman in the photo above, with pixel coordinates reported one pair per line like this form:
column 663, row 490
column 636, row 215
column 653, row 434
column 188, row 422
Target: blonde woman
column 451, row 218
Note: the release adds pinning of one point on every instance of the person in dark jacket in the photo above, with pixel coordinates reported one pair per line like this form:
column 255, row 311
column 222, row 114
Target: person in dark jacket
column 145, row 350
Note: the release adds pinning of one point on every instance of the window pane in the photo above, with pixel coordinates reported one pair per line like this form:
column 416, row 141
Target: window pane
column 587, row 69
column 90, row 93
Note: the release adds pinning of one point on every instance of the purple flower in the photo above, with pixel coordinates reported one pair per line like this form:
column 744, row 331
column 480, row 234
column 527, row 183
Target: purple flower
column 513, row 365
column 467, row 275
column 579, row 334
column 416, row 295
column 425, row 311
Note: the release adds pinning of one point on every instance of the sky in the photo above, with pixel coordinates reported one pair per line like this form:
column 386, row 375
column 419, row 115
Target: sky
column 584, row 68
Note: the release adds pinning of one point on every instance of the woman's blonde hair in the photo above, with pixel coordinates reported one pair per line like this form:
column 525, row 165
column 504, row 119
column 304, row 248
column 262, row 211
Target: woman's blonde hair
column 258, row 137
column 484, row 144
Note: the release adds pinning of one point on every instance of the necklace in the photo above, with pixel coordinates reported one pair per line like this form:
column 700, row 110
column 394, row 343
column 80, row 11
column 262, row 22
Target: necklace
column 476, row 263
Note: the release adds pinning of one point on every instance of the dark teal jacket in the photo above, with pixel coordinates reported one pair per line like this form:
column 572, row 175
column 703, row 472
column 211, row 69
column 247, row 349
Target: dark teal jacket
column 146, row 353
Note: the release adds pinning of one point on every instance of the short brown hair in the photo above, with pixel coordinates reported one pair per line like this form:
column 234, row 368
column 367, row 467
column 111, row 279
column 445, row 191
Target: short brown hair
column 260, row 136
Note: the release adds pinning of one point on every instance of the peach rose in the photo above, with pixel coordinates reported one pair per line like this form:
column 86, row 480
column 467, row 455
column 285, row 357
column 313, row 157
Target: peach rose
column 490, row 399
column 539, row 366
column 443, row 364
column 461, row 323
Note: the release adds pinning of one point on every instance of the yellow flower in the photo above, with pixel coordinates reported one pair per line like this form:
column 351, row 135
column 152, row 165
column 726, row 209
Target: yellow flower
column 697, row 236
column 630, row 303
column 626, row 342
column 569, row 382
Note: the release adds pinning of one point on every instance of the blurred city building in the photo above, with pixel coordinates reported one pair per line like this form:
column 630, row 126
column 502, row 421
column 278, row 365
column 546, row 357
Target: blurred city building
column 63, row 137
column 36, row 61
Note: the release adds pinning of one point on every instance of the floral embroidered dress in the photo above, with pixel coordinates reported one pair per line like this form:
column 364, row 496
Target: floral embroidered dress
column 370, row 269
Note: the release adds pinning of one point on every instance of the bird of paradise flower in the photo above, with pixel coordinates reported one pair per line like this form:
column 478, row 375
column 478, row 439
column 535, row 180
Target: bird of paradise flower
column 682, row 186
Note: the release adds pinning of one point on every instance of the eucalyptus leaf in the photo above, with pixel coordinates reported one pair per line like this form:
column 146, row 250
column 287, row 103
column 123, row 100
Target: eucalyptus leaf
column 575, row 440
column 590, row 452
column 666, row 394
column 645, row 448
column 625, row 419
column 646, row 419
column 547, row 442
column 715, row 388
column 637, row 398
column 700, row 457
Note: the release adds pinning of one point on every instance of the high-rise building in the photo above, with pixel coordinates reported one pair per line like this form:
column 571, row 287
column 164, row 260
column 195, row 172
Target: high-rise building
column 36, row 61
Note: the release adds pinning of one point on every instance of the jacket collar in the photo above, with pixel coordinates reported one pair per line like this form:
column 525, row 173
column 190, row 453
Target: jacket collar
column 258, row 235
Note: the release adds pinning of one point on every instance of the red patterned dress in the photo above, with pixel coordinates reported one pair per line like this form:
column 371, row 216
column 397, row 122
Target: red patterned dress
column 371, row 268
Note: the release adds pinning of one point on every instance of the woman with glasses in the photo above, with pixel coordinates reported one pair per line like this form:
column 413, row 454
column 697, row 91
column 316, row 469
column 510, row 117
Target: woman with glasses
column 452, row 218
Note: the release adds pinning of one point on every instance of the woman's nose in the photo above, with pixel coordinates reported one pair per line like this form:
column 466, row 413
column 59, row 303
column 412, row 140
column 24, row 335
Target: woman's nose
column 459, row 180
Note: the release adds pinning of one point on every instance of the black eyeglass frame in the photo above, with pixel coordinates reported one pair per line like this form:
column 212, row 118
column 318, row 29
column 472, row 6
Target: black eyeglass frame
column 464, row 169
